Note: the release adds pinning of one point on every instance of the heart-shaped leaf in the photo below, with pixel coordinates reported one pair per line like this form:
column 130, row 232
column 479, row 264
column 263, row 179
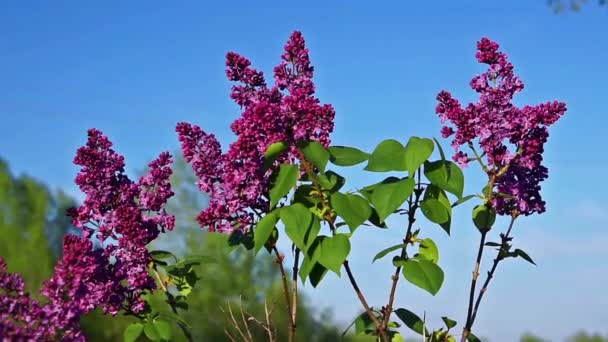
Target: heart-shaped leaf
column 388, row 197
column 424, row 274
column 417, row 151
column 353, row 209
column 428, row 251
column 389, row 155
column 446, row 175
column 297, row 219
column 333, row 251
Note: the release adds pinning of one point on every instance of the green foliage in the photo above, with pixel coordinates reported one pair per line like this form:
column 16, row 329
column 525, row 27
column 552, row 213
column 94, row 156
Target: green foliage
column 389, row 195
column 446, row 175
column 263, row 230
column 484, row 217
column 273, row 152
column 285, row 181
column 424, row 274
column 315, row 153
column 32, row 226
column 331, row 252
column 417, row 151
column 133, row 331
column 386, row 251
column 389, row 155
column 412, row 321
column 346, row 156
column 353, row 209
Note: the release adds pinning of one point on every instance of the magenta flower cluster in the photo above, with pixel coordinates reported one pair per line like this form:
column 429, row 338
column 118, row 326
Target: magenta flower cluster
column 511, row 138
column 237, row 181
column 124, row 217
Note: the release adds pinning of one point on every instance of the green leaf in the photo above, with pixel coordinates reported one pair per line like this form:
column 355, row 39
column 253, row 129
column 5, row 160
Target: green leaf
column 163, row 328
column 331, row 181
column 424, row 274
column 363, row 323
column 346, row 156
column 462, row 200
column 417, row 151
column 518, row 252
column 449, row 323
column 389, row 155
column 428, row 250
column 441, row 153
column 384, row 252
column 132, row 332
column 150, row 331
column 273, row 152
column 297, row 219
column 285, row 181
column 434, row 210
column 316, row 274
column 446, row 175
column 263, row 230
column 375, row 219
column 353, row 209
column 369, row 190
column 484, row 217
column 333, row 251
column 411, row 320
column 160, row 255
column 473, row 338
column 315, row 153
column 388, row 197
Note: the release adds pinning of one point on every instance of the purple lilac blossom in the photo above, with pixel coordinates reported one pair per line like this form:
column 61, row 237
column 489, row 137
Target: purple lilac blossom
column 236, row 181
column 509, row 136
column 125, row 216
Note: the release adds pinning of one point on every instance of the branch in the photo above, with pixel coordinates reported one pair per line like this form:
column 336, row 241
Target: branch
column 467, row 326
column 294, row 300
column 279, row 261
column 484, row 288
column 411, row 212
column 369, row 311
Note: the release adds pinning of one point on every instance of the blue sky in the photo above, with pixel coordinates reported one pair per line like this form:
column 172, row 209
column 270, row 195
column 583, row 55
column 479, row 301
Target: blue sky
column 134, row 70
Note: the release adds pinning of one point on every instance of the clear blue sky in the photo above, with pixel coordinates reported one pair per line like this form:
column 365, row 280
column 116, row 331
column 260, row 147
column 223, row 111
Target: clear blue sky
column 135, row 70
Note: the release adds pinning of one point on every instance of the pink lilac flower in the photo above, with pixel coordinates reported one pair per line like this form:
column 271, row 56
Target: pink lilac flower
column 25, row 319
column 237, row 181
column 125, row 217
column 508, row 136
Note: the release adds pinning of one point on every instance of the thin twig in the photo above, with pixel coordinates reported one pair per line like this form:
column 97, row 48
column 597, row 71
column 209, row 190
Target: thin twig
column 369, row 311
column 467, row 327
column 294, row 301
column 279, row 261
column 490, row 275
column 243, row 318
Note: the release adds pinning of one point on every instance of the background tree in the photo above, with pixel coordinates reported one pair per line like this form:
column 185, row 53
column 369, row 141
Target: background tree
column 32, row 224
column 574, row 5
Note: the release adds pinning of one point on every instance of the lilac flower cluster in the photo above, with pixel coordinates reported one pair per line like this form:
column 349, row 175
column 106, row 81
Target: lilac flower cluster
column 511, row 138
column 124, row 216
column 237, row 181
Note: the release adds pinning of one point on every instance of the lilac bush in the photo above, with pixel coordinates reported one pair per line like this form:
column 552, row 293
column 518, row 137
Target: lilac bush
column 275, row 177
